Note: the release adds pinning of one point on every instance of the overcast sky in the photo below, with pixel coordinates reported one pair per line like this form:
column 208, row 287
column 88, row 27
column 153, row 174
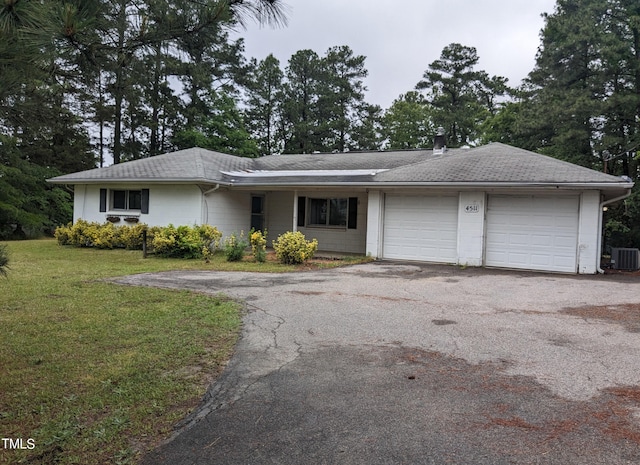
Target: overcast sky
column 400, row 38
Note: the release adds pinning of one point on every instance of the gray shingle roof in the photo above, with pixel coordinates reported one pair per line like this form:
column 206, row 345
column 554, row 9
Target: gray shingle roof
column 493, row 163
column 190, row 165
column 341, row 161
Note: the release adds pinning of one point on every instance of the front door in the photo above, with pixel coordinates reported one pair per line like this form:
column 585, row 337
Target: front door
column 257, row 212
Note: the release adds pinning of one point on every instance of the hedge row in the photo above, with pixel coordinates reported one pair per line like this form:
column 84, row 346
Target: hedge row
column 183, row 241
column 169, row 241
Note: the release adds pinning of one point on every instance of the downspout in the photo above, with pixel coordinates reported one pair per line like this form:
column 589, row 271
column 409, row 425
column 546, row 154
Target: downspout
column 205, row 193
column 294, row 227
column 600, row 233
column 84, row 202
column 206, row 205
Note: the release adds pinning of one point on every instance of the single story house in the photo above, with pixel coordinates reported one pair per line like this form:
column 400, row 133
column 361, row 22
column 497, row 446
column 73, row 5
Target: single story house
column 494, row 205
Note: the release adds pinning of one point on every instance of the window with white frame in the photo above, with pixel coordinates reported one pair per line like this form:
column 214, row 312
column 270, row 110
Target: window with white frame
column 126, row 200
column 328, row 212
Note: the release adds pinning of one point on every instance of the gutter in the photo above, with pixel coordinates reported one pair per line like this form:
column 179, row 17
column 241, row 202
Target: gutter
column 600, row 218
column 73, row 182
column 243, row 182
column 448, row 184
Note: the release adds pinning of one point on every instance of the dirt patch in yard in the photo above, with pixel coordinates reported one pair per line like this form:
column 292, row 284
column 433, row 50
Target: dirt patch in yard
column 394, row 404
column 520, row 418
column 627, row 315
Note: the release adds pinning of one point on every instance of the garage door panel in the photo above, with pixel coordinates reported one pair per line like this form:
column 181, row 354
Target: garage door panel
column 540, row 260
column 567, row 242
column 519, row 240
column 421, row 228
column 518, row 258
column 538, row 240
column 532, row 232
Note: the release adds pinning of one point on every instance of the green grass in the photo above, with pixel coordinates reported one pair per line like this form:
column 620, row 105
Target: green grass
column 95, row 372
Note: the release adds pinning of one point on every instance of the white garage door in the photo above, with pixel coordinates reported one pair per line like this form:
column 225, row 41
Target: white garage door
column 532, row 232
column 421, row 228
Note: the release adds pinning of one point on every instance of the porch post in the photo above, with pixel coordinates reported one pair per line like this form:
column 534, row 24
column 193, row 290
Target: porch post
column 295, row 211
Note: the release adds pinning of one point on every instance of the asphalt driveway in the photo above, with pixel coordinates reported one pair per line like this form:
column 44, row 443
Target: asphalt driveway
column 388, row 363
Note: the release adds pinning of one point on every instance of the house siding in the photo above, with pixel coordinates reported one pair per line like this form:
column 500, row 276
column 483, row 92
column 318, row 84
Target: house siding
column 375, row 222
column 175, row 204
column 280, row 219
column 279, row 214
column 339, row 239
column 588, row 232
column 228, row 211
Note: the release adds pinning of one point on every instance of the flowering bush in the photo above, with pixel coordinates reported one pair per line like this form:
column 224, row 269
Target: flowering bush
column 293, row 248
column 234, row 247
column 258, row 241
column 210, row 236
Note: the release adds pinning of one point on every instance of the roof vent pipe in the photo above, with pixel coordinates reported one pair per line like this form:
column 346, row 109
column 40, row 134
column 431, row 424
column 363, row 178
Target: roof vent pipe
column 439, row 142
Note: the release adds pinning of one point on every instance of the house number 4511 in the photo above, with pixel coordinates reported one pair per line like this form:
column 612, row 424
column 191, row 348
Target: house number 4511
column 472, row 208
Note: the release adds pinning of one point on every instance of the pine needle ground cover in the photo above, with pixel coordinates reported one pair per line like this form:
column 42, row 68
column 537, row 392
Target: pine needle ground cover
column 94, row 372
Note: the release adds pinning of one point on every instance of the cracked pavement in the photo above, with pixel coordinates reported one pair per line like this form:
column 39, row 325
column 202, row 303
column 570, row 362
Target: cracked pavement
column 401, row 363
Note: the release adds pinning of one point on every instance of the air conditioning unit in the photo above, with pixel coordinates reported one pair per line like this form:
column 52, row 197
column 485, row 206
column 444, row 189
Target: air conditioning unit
column 625, row 259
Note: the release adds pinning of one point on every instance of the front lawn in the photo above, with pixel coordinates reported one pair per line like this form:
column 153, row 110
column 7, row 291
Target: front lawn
column 93, row 372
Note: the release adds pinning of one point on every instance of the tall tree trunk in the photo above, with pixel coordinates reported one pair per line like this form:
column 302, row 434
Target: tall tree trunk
column 118, row 91
column 154, row 148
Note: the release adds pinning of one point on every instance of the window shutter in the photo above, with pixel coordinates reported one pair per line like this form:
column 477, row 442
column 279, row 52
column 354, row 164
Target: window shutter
column 144, row 201
column 302, row 204
column 352, row 222
column 103, row 200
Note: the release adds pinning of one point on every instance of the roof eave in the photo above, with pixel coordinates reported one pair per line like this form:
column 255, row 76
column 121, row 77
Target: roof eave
column 453, row 184
column 366, row 184
column 137, row 181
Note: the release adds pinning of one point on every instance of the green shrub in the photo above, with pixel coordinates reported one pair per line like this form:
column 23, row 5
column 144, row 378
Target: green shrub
column 63, row 234
column 258, row 241
column 177, row 242
column 292, row 248
column 4, row 260
column 152, row 232
column 185, row 241
column 210, row 235
column 101, row 236
column 234, row 247
column 170, row 241
column 130, row 237
column 104, row 236
column 82, row 233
